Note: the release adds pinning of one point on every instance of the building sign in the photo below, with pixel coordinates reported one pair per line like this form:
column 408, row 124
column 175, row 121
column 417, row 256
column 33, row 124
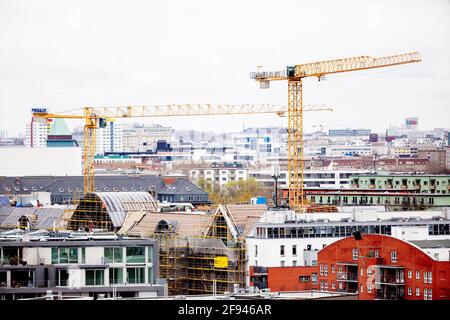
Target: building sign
column 39, row 110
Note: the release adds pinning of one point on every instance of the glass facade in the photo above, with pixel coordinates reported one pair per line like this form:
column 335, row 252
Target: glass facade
column 95, row 277
column 150, row 254
column 64, row 255
column 342, row 231
column 135, row 254
column 113, row 255
column 115, row 276
column 136, row 275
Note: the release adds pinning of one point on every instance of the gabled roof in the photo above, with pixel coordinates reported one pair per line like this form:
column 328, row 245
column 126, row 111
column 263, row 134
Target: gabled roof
column 243, row 216
column 182, row 186
column 9, row 216
column 187, row 224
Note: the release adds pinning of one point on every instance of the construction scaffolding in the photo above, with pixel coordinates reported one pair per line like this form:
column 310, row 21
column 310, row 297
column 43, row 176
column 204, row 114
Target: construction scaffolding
column 89, row 212
column 212, row 263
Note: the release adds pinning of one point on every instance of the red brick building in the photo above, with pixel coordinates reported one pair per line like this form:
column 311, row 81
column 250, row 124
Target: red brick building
column 377, row 267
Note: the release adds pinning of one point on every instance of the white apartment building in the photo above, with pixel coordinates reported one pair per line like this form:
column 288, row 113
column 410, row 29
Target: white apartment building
column 36, row 133
column 285, row 238
column 312, row 178
column 360, row 149
column 139, row 138
column 257, row 145
column 219, row 175
column 77, row 264
column 109, row 139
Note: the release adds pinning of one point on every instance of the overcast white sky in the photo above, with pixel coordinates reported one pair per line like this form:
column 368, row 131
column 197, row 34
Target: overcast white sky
column 62, row 54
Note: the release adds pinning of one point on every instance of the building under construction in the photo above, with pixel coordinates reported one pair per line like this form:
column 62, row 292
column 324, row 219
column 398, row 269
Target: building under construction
column 199, row 252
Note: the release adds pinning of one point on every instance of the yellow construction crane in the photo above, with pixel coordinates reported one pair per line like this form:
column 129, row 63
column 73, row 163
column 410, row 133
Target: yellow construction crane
column 294, row 76
column 95, row 117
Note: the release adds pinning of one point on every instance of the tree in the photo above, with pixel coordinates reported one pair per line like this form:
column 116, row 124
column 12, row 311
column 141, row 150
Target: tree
column 240, row 191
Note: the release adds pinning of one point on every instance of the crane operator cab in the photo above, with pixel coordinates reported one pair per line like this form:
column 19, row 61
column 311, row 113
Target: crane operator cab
column 290, row 71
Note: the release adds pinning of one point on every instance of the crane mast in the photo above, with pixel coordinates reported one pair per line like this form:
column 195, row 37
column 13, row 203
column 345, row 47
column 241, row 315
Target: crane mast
column 294, row 76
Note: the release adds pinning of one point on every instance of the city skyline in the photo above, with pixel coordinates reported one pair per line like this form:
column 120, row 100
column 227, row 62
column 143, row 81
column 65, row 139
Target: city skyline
column 319, row 127
column 64, row 55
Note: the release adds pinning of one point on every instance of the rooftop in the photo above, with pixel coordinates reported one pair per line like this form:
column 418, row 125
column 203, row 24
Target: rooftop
column 432, row 244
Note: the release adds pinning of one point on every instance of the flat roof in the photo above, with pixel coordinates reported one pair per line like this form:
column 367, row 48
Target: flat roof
column 74, row 243
column 431, row 243
column 421, row 222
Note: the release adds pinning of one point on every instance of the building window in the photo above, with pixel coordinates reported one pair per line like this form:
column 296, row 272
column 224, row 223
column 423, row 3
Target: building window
column 150, row 275
column 321, row 269
column 135, row 254
column 325, row 270
column 63, row 277
column 377, row 254
column 135, row 275
column 256, row 250
column 115, row 276
column 430, row 277
column 425, row 277
column 294, row 263
column 394, row 256
column 113, row 255
column 304, row 279
column 369, row 288
column 282, row 263
column 417, row 275
column 362, row 288
column 333, row 285
column 314, row 277
column 64, row 255
column 294, row 250
column 409, row 274
column 333, row 268
column 425, row 294
column 418, row 292
column 409, row 291
column 94, row 277
column 282, row 250
column 355, row 254
column 340, row 269
column 150, row 254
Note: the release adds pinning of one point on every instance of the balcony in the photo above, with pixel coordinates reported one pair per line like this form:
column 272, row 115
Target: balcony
column 348, row 290
column 390, row 294
column 390, row 280
column 258, row 271
column 348, row 277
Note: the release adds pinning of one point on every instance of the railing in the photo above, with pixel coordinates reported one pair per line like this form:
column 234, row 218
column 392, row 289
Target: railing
column 388, row 296
column 391, row 279
column 347, row 276
column 259, row 270
column 348, row 290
